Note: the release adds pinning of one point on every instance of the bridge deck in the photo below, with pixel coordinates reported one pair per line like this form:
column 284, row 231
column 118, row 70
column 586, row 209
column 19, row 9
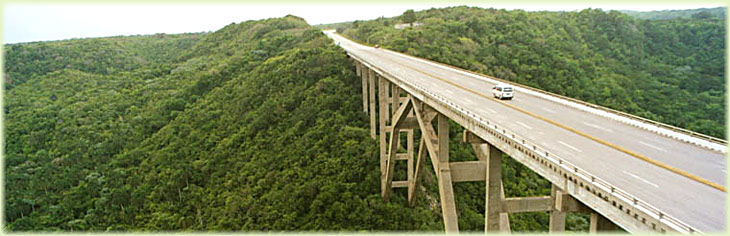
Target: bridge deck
column 688, row 200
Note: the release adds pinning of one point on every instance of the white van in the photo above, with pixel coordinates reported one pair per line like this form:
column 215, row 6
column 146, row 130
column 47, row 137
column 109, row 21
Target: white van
column 503, row 91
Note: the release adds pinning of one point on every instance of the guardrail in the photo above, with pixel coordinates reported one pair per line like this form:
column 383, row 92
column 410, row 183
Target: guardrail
column 600, row 187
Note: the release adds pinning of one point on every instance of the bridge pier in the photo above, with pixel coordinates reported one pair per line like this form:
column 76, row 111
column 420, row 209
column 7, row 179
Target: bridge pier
column 557, row 215
column 600, row 223
column 494, row 197
column 359, row 69
column 371, row 85
column 446, row 191
column 383, row 104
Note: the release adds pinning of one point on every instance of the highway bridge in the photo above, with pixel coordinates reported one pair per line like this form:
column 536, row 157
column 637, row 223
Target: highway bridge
column 626, row 171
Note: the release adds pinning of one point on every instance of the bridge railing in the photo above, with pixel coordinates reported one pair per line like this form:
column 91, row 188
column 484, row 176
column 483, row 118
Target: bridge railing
column 554, row 160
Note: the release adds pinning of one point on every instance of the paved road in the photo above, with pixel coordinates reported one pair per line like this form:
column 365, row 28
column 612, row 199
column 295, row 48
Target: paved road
column 688, row 200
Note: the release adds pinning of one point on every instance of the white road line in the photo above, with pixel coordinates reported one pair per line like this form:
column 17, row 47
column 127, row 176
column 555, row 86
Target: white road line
column 523, row 124
column 598, row 127
column 448, row 91
column 639, row 178
column 577, row 150
column 548, row 110
column 490, row 110
column 652, row 146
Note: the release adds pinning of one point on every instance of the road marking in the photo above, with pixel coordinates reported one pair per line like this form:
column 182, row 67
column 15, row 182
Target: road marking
column 490, row 110
column 548, row 110
column 597, row 127
column 577, row 150
column 523, row 124
column 652, row 146
column 639, row 156
column 639, row 178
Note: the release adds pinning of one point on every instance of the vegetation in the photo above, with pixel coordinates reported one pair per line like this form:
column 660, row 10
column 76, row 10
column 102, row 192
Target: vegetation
column 670, row 71
column 252, row 128
column 256, row 126
column 701, row 13
column 102, row 56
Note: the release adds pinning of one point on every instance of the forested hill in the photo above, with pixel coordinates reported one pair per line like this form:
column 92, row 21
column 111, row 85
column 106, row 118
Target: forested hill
column 702, row 13
column 103, row 56
column 672, row 71
column 256, row 126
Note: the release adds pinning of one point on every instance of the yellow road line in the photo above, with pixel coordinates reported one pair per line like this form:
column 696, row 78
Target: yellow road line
column 631, row 153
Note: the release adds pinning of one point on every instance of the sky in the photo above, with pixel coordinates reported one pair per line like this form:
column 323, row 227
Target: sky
column 42, row 22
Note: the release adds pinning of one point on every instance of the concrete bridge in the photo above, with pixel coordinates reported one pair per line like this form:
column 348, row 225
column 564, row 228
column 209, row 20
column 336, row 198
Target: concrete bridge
column 626, row 171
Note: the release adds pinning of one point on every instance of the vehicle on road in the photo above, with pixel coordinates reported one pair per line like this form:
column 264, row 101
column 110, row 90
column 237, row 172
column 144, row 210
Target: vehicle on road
column 503, row 91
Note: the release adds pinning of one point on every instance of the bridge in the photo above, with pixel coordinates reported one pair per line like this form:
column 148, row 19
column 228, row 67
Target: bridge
column 626, row 171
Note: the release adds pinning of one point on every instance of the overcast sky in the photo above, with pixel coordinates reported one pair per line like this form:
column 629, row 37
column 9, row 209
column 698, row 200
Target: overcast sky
column 41, row 22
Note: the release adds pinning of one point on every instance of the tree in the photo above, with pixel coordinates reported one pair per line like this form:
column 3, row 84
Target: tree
column 409, row 17
column 702, row 15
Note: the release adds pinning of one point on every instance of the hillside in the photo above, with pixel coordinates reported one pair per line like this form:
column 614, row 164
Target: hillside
column 702, row 13
column 253, row 128
column 670, row 71
column 103, row 56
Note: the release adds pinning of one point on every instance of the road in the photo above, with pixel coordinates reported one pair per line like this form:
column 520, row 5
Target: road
column 695, row 203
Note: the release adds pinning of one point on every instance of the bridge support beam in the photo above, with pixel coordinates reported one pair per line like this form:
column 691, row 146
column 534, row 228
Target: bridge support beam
column 357, row 67
column 383, row 104
column 390, row 135
column 388, row 174
column 557, row 215
column 413, row 180
column 446, row 191
column 435, row 145
column 600, row 223
column 496, row 217
column 364, row 79
column 494, row 199
column 371, row 82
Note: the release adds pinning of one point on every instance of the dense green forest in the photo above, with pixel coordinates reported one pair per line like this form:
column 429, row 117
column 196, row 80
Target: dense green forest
column 257, row 126
column 672, row 71
column 102, row 56
column 701, row 13
column 254, row 127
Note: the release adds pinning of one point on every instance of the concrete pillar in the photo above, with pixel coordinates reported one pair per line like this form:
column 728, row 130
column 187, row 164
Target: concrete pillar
column 420, row 158
column 395, row 95
column 599, row 223
column 394, row 105
column 371, row 80
column 383, row 103
column 443, row 138
column 409, row 142
column 493, row 203
column 446, row 191
column 357, row 67
column 504, row 216
column 557, row 216
column 360, row 73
